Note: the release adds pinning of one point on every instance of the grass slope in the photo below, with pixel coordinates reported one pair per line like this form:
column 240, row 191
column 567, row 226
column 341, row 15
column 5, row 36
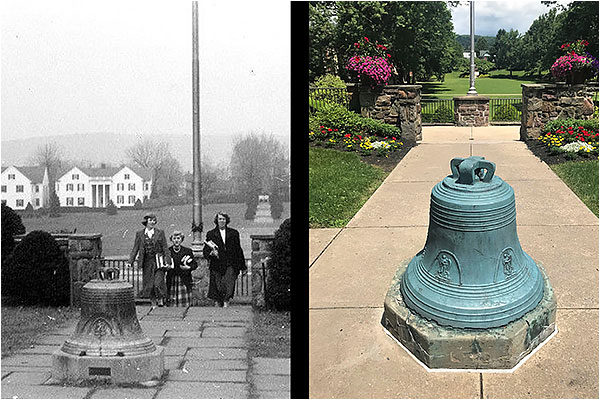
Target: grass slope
column 498, row 84
column 118, row 231
column 339, row 184
column 582, row 178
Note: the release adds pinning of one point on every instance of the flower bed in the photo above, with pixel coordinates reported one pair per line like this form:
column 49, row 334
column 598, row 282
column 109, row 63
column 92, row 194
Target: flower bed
column 570, row 136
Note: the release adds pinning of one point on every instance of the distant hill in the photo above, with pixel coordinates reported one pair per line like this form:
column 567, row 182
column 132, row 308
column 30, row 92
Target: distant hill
column 103, row 147
column 465, row 41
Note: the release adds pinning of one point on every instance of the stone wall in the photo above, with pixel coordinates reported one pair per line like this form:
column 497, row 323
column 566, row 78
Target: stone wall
column 473, row 110
column 260, row 253
column 546, row 102
column 83, row 252
column 398, row 105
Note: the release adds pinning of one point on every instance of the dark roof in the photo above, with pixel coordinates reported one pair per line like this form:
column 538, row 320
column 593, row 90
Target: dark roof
column 34, row 174
column 93, row 172
column 144, row 173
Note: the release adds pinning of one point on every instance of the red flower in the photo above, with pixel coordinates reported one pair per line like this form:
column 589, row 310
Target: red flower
column 366, row 39
column 329, row 129
column 335, row 130
column 388, row 55
column 358, row 136
column 323, row 131
column 393, row 138
column 321, row 127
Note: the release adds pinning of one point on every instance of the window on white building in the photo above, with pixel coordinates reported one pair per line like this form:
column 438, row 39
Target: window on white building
column 126, row 176
column 69, row 187
column 20, row 203
column 131, row 199
column 37, row 188
column 80, row 187
column 11, row 176
column 75, row 177
column 132, row 186
column 120, row 186
column 146, row 186
column 120, row 199
column 81, row 201
column 19, row 188
column 3, row 188
column 69, row 201
column 37, row 202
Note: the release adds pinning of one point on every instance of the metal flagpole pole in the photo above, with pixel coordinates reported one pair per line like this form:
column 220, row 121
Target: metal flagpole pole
column 472, row 90
column 196, row 184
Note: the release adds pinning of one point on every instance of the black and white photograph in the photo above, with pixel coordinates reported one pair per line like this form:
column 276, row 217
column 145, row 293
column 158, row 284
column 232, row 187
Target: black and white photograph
column 146, row 230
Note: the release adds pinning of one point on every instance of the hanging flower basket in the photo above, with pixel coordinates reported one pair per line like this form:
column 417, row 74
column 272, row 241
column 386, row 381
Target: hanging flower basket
column 576, row 66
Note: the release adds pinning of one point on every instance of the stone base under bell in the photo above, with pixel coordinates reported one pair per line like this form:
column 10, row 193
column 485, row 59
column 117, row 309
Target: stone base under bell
column 463, row 348
column 128, row 369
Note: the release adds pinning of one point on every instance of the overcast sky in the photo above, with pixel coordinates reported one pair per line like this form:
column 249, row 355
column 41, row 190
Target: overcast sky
column 490, row 16
column 125, row 67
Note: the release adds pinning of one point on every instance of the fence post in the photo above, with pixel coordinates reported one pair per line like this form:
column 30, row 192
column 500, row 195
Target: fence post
column 472, row 110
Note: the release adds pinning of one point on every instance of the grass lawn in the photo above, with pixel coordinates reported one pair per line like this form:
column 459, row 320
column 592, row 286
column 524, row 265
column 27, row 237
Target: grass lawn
column 269, row 335
column 339, row 184
column 118, row 231
column 582, row 178
column 22, row 325
column 497, row 84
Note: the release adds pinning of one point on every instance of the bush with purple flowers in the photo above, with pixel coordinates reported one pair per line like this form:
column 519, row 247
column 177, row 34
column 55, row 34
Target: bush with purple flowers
column 576, row 65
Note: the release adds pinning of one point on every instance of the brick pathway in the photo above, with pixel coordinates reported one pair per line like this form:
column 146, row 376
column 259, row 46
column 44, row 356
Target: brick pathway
column 206, row 356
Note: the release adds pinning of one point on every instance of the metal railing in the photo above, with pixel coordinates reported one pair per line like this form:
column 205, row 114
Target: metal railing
column 133, row 275
column 320, row 96
column 437, row 111
column 506, row 110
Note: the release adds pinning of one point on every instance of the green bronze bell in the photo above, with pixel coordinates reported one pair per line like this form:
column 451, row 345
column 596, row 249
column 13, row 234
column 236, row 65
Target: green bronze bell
column 472, row 272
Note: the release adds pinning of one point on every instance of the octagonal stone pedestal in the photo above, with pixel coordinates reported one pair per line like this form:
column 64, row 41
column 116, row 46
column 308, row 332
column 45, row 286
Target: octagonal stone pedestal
column 129, row 369
column 463, row 348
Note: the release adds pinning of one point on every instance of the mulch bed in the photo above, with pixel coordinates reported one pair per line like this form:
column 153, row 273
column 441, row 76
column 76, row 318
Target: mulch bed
column 385, row 163
column 541, row 151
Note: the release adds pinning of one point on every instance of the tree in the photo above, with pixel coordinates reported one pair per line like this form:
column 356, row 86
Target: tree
column 538, row 47
column 505, row 50
column 321, row 53
column 166, row 170
column 54, row 206
column 480, row 45
column 579, row 21
column 256, row 162
column 418, row 35
column 51, row 156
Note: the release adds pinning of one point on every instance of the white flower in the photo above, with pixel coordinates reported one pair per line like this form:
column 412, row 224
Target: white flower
column 574, row 147
column 383, row 145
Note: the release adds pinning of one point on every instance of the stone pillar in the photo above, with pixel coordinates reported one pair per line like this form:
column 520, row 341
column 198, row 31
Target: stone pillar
column 547, row 102
column 83, row 252
column 398, row 105
column 471, row 110
column 261, row 251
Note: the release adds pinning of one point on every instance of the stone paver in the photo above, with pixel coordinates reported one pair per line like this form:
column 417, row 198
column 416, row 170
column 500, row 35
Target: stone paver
column 351, row 356
column 271, row 366
column 319, row 240
column 205, row 357
column 270, row 394
column 276, row 383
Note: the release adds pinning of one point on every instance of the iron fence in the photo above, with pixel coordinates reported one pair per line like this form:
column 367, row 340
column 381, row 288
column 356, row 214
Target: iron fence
column 437, row 111
column 506, row 110
column 133, row 275
column 318, row 97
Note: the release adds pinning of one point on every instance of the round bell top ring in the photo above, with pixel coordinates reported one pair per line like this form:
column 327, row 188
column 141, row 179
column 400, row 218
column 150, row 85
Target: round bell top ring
column 108, row 273
column 473, row 169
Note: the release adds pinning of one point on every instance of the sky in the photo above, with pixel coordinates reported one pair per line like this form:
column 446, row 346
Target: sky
column 490, row 16
column 126, row 67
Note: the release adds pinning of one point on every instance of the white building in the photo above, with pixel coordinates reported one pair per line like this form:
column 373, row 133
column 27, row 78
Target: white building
column 24, row 185
column 95, row 187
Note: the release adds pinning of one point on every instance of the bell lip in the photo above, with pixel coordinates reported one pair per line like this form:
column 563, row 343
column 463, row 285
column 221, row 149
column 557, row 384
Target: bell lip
column 470, row 313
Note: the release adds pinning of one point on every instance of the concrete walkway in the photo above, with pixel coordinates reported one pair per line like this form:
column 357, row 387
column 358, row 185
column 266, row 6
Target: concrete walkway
column 351, row 270
column 206, row 356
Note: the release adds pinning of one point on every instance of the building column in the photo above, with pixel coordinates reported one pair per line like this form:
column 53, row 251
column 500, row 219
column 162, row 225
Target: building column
column 93, row 196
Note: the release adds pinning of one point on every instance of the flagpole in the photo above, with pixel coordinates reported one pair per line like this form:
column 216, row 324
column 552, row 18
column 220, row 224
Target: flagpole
column 196, row 183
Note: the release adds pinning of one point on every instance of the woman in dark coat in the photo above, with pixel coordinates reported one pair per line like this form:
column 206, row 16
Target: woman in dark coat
column 151, row 244
column 226, row 259
column 179, row 279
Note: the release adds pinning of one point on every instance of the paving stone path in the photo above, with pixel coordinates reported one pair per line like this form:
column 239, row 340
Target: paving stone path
column 206, row 356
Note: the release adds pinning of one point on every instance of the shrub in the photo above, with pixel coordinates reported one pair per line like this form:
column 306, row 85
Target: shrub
column 37, row 272
column 276, row 205
column 54, row 209
column 11, row 225
column 138, row 205
column 336, row 117
column 278, row 290
column 251, row 204
column 164, row 201
column 29, row 211
column 111, row 209
column 329, row 89
column 443, row 115
column 506, row 112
